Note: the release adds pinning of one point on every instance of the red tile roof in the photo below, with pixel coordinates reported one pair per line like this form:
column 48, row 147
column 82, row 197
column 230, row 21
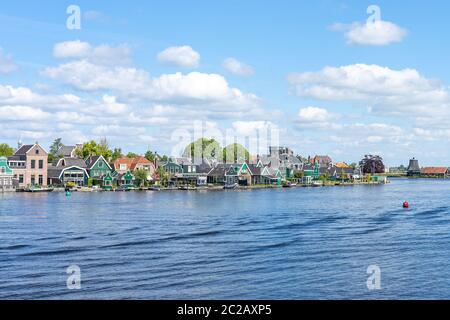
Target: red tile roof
column 131, row 162
column 434, row 170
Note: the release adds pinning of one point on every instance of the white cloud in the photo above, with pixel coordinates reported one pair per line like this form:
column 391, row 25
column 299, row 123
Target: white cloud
column 376, row 33
column 314, row 114
column 183, row 56
column 131, row 82
column 7, row 64
column 388, row 92
column 72, row 49
column 236, row 67
column 102, row 54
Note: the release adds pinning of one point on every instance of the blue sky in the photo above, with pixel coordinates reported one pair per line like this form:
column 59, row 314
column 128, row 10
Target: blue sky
column 138, row 72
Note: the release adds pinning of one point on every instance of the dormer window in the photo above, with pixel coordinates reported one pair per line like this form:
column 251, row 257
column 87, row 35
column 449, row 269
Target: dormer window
column 37, row 151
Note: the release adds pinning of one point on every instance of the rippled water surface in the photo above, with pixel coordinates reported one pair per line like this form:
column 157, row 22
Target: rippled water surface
column 261, row 244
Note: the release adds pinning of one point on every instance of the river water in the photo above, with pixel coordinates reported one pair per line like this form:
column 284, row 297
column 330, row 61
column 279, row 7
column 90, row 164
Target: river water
column 303, row 243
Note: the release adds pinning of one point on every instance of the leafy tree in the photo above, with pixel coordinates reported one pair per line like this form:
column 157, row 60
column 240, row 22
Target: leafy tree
column 163, row 176
column 141, row 176
column 372, row 164
column 6, row 150
column 93, row 148
column 116, row 154
column 132, row 155
column 203, row 148
column 54, row 148
column 165, row 158
column 150, row 156
column 235, row 152
column 299, row 174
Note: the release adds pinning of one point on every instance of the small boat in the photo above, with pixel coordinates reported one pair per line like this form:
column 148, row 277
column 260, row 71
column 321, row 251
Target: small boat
column 230, row 186
column 289, row 184
column 188, row 188
column 38, row 189
column 154, row 188
column 317, row 184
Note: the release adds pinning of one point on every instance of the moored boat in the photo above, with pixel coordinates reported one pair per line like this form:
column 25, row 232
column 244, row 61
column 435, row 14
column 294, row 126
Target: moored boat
column 231, row 186
column 38, row 189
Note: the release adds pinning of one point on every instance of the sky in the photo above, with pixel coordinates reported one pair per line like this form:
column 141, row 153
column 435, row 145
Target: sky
column 343, row 78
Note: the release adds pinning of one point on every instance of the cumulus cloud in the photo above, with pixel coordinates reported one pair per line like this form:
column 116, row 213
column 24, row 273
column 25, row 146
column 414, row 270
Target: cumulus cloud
column 102, row 54
column 132, row 82
column 236, row 67
column 387, row 91
column 7, row 64
column 183, row 56
column 376, row 33
column 314, row 114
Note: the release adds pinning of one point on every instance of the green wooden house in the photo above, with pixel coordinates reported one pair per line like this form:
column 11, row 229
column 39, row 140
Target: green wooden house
column 107, row 181
column 171, row 167
column 6, row 176
column 126, row 180
column 97, row 167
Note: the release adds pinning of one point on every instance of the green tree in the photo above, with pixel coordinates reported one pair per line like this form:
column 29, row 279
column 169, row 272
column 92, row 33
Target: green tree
column 116, row 154
column 203, row 148
column 235, row 152
column 93, row 148
column 54, row 148
column 163, row 176
column 132, row 155
column 141, row 176
column 150, row 156
column 6, row 150
column 299, row 174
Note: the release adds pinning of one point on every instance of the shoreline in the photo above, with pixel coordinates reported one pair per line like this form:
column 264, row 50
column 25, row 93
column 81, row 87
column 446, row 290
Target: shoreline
column 215, row 188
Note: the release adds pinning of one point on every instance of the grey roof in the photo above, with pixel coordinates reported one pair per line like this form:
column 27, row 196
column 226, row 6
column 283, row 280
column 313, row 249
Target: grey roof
column 23, row 150
column 91, row 161
column 54, row 172
column 70, row 162
column 66, row 151
column 219, row 170
column 17, row 158
column 256, row 171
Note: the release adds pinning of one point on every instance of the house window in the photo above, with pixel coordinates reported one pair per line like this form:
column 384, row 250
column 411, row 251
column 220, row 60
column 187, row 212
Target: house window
column 123, row 167
column 194, row 169
column 20, row 178
column 33, row 164
column 41, row 164
column 189, row 168
column 37, row 151
column 2, row 169
column 41, row 179
column 33, row 179
column 100, row 164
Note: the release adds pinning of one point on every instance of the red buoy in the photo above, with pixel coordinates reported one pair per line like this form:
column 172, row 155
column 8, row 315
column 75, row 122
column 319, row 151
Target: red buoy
column 405, row 204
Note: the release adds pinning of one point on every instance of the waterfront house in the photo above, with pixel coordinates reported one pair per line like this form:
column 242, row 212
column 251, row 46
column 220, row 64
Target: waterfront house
column 239, row 173
column 171, row 167
column 29, row 165
column 125, row 164
column 108, row 181
column 435, row 172
column 6, row 176
column 194, row 174
column 311, row 170
column 68, row 171
column 99, row 170
column 126, row 180
column 217, row 173
column 97, row 167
